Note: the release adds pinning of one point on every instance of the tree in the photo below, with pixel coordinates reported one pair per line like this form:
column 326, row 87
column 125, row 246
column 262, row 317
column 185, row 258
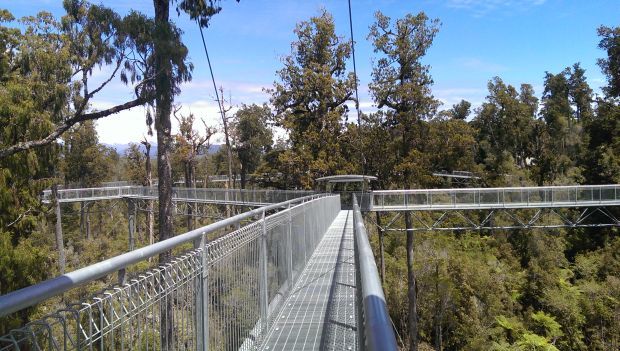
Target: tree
column 253, row 139
column 505, row 123
column 610, row 42
column 402, row 83
column 45, row 90
column 170, row 70
column 49, row 54
column 86, row 161
column 189, row 145
column 309, row 99
column 461, row 110
column 134, row 166
column 602, row 164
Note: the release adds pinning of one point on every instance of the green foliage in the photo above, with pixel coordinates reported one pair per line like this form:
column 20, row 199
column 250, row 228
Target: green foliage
column 252, row 137
column 309, row 100
column 135, row 170
column 86, row 162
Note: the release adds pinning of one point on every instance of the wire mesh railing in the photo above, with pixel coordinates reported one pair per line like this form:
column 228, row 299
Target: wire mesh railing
column 221, row 295
column 206, row 195
column 488, row 198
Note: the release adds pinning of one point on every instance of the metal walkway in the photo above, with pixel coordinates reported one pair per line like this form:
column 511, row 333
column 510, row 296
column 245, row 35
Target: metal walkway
column 320, row 312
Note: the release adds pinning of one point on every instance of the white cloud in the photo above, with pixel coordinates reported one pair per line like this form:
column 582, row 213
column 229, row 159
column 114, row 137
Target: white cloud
column 451, row 96
column 474, row 63
column 130, row 125
column 481, row 7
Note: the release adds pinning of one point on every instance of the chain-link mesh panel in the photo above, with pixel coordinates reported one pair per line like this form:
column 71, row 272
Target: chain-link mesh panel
column 178, row 305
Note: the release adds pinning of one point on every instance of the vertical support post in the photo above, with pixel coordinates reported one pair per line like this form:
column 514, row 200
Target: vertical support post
column 263, row 284
column 289, row 248
column 303, row 230
column 58, row 228
column 202, row 299
column 88, row 233
column 131, row 222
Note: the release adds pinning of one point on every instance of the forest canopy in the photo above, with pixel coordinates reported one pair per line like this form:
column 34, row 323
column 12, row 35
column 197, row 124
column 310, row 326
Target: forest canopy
column 557, row 289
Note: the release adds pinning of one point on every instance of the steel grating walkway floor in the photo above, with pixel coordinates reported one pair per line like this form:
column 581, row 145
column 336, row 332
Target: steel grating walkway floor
column 320, row 313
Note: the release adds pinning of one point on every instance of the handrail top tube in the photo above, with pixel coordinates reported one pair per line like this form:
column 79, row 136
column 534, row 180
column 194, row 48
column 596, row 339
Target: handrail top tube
column 492, row 190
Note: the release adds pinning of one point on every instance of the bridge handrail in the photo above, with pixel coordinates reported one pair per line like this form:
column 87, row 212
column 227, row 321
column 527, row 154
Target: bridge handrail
column 521, row 197
column 264, row 195
column 499, row 189
column 375, row 327
column 29, row 296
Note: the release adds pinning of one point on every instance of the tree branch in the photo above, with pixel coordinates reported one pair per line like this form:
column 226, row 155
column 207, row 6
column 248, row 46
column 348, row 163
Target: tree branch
column 26, row 145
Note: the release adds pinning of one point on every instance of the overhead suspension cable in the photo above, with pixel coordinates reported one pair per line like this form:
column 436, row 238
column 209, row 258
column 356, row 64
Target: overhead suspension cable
column 220, row 104
column 357, row 100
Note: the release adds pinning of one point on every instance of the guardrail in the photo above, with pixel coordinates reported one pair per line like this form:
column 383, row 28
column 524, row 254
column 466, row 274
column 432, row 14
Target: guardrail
column 374, row 325
column 203, row 195
column 490, row 198
column 223, row 294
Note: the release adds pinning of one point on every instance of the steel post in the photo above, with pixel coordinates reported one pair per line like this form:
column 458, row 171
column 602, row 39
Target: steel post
column 289, row 248
column 131, row 221
column 263, row 283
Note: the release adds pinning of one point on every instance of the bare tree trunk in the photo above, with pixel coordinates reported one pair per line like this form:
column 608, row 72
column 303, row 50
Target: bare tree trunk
column 163, row 101
column 190, row 183
column 411, row 286
column 381, row 248
column 60, row 246
column 227, row 139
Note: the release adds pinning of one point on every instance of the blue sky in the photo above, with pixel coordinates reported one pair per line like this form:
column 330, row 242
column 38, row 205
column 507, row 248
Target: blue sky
column 478, row 39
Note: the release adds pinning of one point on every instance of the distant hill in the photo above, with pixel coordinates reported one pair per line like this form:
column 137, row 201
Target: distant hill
column 121, row 148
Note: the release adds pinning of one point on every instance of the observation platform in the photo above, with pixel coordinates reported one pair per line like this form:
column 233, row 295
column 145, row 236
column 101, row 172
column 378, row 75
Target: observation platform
column 320, row 312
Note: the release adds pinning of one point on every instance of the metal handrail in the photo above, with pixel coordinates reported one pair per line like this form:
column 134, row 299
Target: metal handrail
column 476, row 190
column 508, row 197
column 374, row 327
column 29, row 296
column 234, row 195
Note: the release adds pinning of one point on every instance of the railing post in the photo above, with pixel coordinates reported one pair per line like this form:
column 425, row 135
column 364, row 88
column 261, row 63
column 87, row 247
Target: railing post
column 289, row 247
column 202, row 300
column 263, row 284
column 303, row 229
column 131, row 221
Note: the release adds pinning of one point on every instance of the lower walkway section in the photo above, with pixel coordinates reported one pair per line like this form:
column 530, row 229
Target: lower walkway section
column 320, row 312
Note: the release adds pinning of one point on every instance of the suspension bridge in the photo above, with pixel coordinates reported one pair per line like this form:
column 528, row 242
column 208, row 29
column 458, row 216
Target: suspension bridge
column 294, row 272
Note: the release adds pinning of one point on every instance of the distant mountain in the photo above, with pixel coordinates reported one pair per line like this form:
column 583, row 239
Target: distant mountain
column 121, row 148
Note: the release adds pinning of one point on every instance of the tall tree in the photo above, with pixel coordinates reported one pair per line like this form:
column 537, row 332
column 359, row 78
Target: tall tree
column 610, row 42
column 602, row 161
column 150, row 216
column 134, row 164
column 505, row 123
column 170, row 70
column 253, row 139
column 86, row 161
column 402, row 83
column 309, row 99
column 461, row 110
column 88, row 38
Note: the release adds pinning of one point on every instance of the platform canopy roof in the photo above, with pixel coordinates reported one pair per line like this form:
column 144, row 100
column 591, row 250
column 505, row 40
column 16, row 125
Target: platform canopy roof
column 346, row 178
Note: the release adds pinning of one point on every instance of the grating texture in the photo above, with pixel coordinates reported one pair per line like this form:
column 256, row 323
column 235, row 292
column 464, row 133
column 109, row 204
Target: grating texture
column 320, row 311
